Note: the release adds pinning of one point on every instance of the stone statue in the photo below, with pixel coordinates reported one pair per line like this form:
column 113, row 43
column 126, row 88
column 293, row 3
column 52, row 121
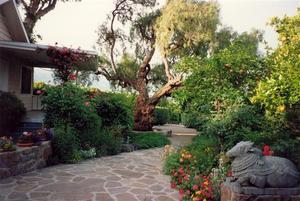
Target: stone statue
column 250, row 167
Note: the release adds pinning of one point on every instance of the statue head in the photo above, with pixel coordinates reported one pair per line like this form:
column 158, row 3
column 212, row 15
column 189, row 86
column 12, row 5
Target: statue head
column 240, row 148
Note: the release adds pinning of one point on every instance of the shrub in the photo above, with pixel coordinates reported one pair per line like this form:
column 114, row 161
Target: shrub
column 115, row 110
column 161, row 116
column 246, row 122
column 174, row 117
column 193, row 120
column 65, row 143
column 12, row 111
column 108, row 144
column 69, row 103
column 148, row 140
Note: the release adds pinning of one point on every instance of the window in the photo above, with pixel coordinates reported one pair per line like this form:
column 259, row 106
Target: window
column 26, row 80
column 3, row 75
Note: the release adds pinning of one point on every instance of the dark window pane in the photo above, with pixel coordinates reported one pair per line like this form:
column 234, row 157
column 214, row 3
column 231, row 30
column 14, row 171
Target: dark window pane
column 26, row 81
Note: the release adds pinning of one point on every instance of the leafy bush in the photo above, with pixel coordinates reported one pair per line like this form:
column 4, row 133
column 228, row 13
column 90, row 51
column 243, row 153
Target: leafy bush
column 174, row 117
column 238, row 122
column 148, row 140
column 194, row 120
column 69, row 103
column 161, row 116
column 172, row 162
column 108, row 144
column 174, row 113
column 66, row 144
column 12, row 111
column 115, row 110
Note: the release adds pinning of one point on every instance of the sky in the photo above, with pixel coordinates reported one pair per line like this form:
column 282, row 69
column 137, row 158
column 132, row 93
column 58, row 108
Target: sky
column 74, row 24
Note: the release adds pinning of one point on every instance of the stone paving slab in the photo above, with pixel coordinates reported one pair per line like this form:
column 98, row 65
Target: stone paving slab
column 134, row 176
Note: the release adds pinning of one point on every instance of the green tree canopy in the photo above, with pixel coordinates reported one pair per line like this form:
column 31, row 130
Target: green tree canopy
column 281, row 89
column 227, row 76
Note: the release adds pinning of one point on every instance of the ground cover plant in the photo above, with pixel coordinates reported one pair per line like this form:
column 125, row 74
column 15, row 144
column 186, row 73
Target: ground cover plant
column 146, row 140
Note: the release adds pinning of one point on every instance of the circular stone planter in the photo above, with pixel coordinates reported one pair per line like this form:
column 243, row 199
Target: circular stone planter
column 25, row 144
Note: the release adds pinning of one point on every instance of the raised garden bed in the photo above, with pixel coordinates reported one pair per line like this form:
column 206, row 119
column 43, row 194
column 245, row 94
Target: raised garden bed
column 24, row 159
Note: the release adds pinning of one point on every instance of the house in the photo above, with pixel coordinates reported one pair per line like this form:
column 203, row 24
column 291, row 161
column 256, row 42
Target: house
column 18, row 56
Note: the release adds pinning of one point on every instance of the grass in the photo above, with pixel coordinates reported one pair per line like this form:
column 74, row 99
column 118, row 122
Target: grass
column 146, row 140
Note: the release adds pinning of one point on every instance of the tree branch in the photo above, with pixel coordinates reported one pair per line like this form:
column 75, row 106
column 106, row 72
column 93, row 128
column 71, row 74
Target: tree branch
column 166, row 89
column 167, row 68
column 113, row 36
column 41, row 12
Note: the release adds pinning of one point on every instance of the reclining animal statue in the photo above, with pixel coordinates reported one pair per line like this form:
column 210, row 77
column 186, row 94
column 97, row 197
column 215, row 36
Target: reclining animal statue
column 250, row 167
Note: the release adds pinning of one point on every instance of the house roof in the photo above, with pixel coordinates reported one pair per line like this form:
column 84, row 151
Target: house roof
column 36, row 55
column 13, row 21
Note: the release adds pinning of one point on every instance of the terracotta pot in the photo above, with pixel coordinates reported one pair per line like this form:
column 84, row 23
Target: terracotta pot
column 28, row 144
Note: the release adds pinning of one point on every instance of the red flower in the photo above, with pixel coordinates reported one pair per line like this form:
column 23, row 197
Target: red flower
column 186, row 178
column 72, row 77
column 179, row 181
column 87, row 103
column 195, row 187
column 267, row 150
column 173, row 185
column 187, row 192
column 181, row 191
column 181, row 170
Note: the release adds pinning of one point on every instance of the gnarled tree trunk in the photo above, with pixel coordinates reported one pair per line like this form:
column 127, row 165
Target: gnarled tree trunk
column 143, row 114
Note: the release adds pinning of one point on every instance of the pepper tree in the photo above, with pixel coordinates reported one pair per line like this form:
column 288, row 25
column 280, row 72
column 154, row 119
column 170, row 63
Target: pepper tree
column 168, row 34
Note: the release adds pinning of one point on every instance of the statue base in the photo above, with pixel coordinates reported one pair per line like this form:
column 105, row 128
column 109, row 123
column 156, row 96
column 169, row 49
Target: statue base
column 230, row 191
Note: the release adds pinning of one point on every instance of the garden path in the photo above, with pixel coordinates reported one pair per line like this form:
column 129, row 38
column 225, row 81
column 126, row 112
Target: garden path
column 134, row 176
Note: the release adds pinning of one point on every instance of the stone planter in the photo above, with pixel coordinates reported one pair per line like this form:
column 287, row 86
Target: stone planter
column 28, row 144
column 24, row 159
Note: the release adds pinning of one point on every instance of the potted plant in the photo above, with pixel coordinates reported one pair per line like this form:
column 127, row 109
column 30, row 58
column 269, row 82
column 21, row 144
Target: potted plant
column 39, row 88
column 6, row 144
column 41, row 135
column 26, row 139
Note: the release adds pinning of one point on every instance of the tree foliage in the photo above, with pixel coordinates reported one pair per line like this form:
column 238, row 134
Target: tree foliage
column 281, row 89
column 186, row 25
column 228, row 76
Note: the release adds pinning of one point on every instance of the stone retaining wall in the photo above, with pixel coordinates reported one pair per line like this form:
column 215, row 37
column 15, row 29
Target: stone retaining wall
column 24, row 160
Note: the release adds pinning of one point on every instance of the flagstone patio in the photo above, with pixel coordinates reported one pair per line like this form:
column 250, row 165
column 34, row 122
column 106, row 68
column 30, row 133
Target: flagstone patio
column 134, row 176
column 126, row 177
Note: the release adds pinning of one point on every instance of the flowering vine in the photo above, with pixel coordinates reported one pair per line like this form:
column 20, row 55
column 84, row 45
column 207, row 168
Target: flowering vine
column 65, row 59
